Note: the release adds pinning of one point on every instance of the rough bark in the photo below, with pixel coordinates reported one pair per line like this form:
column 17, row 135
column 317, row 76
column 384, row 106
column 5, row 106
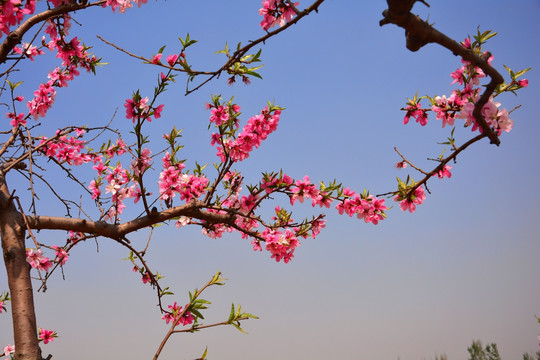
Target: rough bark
column 12, row 232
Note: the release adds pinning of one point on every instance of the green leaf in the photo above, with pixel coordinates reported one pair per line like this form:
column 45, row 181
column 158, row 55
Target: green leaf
column 521, row 72
column 13, row 86
column 231, row 315
column 250, row 316
column 131, row 256
column 238, row 327
column 246, row 58
column 252, row 73
column 224, row 51
column 512, row 75
column 196, row 313
column 201, row 301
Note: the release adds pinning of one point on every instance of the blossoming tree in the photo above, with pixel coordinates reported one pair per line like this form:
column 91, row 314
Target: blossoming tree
column 217, row 199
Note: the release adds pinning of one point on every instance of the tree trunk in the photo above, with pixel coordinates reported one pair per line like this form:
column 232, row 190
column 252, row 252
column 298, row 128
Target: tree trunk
column 12, row 232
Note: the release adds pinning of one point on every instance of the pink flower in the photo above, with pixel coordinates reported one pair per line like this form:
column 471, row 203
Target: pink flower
column 45, row 264
column 401, row 165
column 253, row 134
column 9, row 349
column 36, row 259
column 157, row 111
column 29, row 51
column 94, row 187
column 219, row 115
column 458, row 76
column 171, row 59
column 46, row 335
column 136, row 106
column 444, row 172
column 156, row 59
column 186, row 319
column 182, row 221
column 75, row 237
column 139, row 2
column 445, row 110
column 42, row 101
column 281, row 245
column 276, row 12
column 256, row 245
column 16, row 120
column 146, row 278
column 415, row 110
column 61, row 255
column 523, row 82
column 304, row 189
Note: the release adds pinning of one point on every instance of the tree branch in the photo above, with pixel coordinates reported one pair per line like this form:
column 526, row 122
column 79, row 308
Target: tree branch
column 15, row 37
column 193, row 209
column 419, row 33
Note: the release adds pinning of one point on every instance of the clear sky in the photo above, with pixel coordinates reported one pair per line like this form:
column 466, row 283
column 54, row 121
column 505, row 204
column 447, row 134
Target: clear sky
column 465, row 266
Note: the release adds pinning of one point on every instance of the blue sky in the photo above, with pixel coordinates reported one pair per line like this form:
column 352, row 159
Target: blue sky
column 463, row 267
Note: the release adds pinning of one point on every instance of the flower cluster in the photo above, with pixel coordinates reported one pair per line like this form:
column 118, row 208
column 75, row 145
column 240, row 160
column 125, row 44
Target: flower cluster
column 74, row 55
column 42, row 101
column 446, row 109
column 172, row 182
column 118, row 180
column 414, row 109
column 280, row 244
column 176, row 314
column 257, row 129
column 123, row 5
column 137, row 108
column 410, row 202
column 12, row 13
column 66, row 149
column 28, row 50
column 282, row 235
column 461, row 103
column 365, row 206
column 276, row 12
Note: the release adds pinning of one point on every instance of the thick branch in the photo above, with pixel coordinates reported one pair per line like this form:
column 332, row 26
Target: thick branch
column 118, row 231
